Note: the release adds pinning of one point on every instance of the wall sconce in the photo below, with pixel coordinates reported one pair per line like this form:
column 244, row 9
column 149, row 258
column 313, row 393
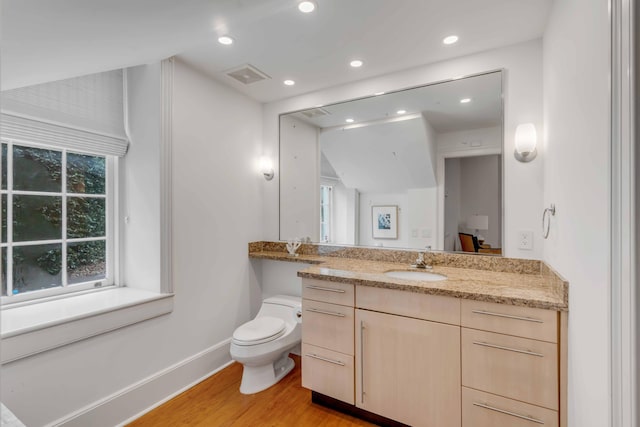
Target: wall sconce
column 266, row 167
column 525, row 142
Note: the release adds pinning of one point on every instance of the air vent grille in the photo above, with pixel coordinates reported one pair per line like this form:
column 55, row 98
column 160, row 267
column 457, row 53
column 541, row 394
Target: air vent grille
column 247, row 74
column 315, row 112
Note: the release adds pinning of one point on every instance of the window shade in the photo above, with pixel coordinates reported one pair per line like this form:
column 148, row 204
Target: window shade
column 81, row 114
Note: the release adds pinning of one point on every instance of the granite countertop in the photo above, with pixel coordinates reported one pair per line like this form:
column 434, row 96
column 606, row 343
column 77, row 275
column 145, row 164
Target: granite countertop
column 539, row 287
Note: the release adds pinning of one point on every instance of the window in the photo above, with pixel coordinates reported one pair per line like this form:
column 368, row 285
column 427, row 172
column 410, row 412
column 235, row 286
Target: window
column 56, row 235
column 326, row 202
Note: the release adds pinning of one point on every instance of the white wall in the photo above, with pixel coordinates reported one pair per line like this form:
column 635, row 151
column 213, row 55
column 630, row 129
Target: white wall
column 480, row 194
column 523, row 103
column 344, row 212
column 452, row 204
column 299, row 171
column 422, row 217
column 577, row 180
column 469, row 139
column 140, row 181
column 216, row 211
column 367, row 200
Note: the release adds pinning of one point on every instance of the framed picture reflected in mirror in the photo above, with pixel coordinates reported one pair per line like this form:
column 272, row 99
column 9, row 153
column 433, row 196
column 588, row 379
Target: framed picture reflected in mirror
column 384, row 220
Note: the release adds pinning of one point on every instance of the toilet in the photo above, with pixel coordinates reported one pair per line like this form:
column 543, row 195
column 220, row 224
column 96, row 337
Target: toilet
column 262, row 345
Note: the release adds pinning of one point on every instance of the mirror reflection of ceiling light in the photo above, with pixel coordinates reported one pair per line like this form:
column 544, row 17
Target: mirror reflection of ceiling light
column 349, row 120
column 226, row 40
column 289, row 82
column 450, row 39
column 465, row 100
column 401, row 111
column 356, row 63
column 306, row 6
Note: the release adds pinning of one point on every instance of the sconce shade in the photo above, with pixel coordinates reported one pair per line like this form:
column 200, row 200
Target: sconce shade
column 478, row 222
column 525, row 142
column 266, row 167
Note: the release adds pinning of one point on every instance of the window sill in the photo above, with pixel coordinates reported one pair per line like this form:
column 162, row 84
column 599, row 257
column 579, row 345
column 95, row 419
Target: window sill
column 34, row 328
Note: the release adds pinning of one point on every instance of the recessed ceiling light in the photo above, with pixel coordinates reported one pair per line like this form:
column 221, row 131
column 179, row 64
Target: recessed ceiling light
column 401, row 111
column 349, row 120
column 379, row 93
column 306, row 6
column 356, row 63
column 225, row 40
column 289, row 82
column 465, row 100
column 450, row 40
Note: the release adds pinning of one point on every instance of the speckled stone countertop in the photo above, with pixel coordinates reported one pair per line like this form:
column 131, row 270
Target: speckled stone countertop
column 528, row 283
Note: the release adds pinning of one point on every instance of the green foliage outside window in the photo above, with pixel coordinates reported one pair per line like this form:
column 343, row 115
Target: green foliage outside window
column 38, row 217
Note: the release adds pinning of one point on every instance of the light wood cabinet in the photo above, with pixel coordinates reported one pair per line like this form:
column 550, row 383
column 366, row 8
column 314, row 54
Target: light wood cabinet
column 328, row 372
column 408, row 369
column 514, row 367
column 328, row 325
column 327, row 338
column 526, row 322
column 481, row 409
column 433, row 361
column 512, row 372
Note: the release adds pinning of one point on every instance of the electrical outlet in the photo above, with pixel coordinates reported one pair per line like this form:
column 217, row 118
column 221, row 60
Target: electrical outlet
column 525, row 240
column 426, row 233
column 414, row 233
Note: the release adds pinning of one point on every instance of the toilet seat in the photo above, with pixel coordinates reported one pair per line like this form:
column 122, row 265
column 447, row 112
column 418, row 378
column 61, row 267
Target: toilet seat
column 259, row 330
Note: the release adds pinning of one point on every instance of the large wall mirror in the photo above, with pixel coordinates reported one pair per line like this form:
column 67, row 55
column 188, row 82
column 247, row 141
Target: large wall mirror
column 407, row 169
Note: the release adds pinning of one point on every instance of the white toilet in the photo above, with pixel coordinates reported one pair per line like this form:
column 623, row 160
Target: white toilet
column 262, row 345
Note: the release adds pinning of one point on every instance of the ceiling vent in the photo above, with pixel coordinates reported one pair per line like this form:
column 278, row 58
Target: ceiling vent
column 247, row 74
column 315, row 112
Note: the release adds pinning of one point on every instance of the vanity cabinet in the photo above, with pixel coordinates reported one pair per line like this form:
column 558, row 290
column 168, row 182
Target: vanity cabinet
column 408, row 369
column 328, row 338
column 510, row 365
column 433, row 361
column 408, row 356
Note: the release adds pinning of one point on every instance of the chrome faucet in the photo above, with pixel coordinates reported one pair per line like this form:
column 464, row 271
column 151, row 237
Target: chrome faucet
column 420, row 261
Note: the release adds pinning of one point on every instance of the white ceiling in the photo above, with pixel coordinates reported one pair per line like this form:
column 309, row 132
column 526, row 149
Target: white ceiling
column 383, row 157
column 46, row 40
column 438, row 103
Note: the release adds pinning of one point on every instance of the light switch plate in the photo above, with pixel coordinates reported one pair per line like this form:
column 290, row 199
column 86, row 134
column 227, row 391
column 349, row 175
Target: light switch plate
column 525, row 240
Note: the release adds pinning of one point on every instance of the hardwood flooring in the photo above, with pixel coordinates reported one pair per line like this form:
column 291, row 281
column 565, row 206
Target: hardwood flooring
column 217, row 401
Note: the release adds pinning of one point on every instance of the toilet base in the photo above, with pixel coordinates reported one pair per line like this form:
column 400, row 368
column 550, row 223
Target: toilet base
column 258, row 378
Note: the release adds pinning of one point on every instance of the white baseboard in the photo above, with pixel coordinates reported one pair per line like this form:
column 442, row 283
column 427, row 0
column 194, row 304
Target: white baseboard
column 139, row 398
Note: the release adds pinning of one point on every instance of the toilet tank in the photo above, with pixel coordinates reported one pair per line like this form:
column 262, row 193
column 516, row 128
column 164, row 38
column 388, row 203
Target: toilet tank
column 285, row 307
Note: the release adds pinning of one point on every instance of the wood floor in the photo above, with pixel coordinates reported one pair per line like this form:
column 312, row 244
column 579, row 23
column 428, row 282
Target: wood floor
column 217, row 402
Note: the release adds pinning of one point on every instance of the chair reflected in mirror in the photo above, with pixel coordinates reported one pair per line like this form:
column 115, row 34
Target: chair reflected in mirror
column 468, row 242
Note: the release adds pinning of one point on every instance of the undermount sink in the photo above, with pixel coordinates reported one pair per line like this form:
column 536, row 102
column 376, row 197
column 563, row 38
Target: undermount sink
column 416, row 275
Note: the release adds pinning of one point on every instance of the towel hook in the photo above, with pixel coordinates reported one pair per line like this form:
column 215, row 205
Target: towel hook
column 546, row 219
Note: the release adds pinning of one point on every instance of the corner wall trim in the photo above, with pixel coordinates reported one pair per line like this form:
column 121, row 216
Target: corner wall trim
column 137, row 399
column 623, row 310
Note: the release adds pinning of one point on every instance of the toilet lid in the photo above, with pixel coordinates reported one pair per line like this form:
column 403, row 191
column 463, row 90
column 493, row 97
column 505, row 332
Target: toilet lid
column 259, row 330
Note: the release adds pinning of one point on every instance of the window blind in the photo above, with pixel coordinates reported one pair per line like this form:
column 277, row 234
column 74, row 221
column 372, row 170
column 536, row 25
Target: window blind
column 80, row 114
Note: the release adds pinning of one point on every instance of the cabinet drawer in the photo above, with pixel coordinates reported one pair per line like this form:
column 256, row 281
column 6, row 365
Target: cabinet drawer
column 513, row 367
column 487, row 410
column 524, row 322
column 325, row 291
column 328, row 325
column 411, row 304
column 328, row 372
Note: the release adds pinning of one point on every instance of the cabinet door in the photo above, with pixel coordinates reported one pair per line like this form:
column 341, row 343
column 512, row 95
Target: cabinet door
column 408, row 369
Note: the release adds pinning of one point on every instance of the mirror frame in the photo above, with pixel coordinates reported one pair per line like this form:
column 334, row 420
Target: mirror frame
column 440, row 162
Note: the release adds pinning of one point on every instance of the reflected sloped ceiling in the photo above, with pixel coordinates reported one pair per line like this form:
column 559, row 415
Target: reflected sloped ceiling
column 386, row 157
